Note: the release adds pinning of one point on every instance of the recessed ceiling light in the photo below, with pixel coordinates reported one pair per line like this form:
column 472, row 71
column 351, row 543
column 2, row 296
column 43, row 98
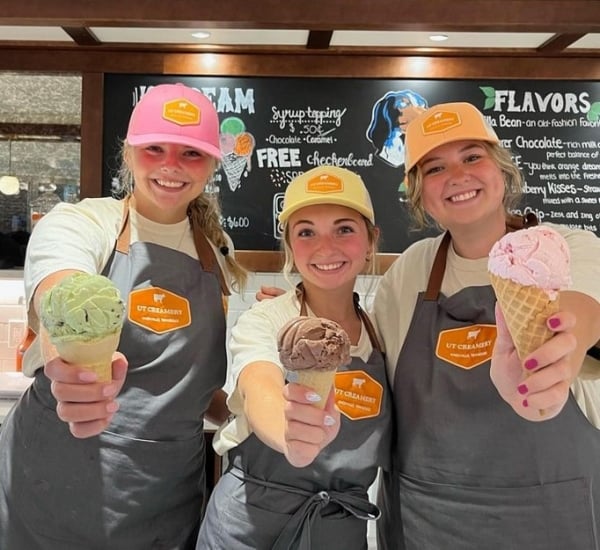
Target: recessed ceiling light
column 200, row 34
column 438, row 37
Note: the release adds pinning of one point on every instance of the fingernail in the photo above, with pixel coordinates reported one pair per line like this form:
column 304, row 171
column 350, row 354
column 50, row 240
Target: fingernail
column 525, row 404
column 329, row 420
column 554, row 322
column 108, row 391
column 522, row 389
column 87, row 376
column 531, row 364
column 112, row 407
column 312, row 397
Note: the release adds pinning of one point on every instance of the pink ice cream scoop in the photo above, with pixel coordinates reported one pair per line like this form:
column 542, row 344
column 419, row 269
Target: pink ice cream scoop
column 537, row 256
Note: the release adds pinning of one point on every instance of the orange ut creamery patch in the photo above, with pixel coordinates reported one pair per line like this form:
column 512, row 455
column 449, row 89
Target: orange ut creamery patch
column 158, row 310
column 440, row 121
column 466, row 347
column 182, row 112
column 357, row 395
column 325, row 183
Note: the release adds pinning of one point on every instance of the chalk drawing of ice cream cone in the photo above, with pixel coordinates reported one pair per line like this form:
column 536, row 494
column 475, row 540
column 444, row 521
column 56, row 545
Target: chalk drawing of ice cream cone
column 237, row 146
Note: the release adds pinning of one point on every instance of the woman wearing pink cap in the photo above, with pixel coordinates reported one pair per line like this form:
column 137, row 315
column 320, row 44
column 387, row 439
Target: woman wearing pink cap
column 79, row 466
column 471, row 470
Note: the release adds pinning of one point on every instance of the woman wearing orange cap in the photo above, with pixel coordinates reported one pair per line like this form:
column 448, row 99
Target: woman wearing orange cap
column 288, row 485
column 79, row 466
column 471, row 470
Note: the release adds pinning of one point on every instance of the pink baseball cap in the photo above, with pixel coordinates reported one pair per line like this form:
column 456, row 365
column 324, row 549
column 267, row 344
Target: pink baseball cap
column 175, row 113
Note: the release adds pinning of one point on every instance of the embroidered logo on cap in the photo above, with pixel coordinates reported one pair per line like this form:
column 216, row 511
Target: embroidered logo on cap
column 325, row 183
column 466, row 347
column 182, row 112
column 440, row 121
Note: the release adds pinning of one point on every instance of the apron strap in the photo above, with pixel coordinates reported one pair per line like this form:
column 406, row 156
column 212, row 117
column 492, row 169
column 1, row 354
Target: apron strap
column 124, row 237
column 300, row 295
column 438, row 269
column 513, row 223
column 296, row 533
column 207, row 258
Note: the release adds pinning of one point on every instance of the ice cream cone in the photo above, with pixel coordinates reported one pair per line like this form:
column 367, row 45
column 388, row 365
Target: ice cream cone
column 94, row 355
column 319, row 380
column 526, row 310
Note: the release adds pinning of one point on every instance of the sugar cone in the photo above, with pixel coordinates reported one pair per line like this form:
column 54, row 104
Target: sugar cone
column 94, row 355
column 526, row 310
column 320, row 381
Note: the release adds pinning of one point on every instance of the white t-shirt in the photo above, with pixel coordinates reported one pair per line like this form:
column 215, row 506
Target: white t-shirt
column 82, row 237
column 254, row 338
column 397, row 292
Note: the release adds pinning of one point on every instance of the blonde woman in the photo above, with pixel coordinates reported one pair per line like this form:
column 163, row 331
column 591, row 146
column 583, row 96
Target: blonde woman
column 121, row 465
column 298, row 475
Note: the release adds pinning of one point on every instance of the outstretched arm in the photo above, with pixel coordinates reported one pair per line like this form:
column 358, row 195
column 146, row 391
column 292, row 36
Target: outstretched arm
column 283, row 417
column 541, row 382
column 86, row 405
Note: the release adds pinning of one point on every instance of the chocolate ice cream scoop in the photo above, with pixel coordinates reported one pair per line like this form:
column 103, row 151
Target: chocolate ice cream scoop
column 313, row 343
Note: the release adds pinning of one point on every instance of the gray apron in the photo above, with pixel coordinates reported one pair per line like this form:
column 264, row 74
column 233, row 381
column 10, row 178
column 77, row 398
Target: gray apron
column 262, row 502
column 140, row 484
column 468, row 472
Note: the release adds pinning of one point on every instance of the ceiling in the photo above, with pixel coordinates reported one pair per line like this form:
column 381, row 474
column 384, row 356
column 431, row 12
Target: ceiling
column 562, row 28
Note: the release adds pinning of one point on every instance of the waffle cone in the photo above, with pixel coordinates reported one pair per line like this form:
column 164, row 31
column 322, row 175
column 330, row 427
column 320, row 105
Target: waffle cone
column 320, row 381
column 526, row 310
column 94, row 355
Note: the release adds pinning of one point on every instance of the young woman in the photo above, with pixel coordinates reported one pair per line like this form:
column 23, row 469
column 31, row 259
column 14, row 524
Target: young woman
column 79, row 468
column 468, row 472
column 288, row 485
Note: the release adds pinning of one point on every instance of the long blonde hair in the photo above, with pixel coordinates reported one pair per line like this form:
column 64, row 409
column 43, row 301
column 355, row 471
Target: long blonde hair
column 204, row 212
column 513, row 185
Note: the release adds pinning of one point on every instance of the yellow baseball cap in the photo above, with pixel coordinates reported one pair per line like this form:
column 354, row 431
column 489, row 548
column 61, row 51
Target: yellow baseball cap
column 442, row 124
column 327, row 185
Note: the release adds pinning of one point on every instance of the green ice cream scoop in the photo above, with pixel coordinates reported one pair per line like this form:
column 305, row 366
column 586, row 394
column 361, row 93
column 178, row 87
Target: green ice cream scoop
column 82, row 307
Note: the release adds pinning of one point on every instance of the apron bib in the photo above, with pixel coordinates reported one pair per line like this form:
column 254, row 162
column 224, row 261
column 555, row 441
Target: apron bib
column 468, row 472
column 262, row 502
column 139, row 484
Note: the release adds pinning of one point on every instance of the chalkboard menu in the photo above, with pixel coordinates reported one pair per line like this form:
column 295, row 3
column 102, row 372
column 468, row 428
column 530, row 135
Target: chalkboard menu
column 275, row 128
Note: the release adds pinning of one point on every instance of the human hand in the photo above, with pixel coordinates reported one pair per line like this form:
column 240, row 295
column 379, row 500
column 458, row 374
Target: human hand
column 308, row 429
column 85, row 404
column 268, row 292
column 538, row 387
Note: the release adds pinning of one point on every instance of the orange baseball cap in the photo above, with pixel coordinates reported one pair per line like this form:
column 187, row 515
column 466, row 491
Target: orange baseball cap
column 327, row 185
column 443, row 124
column 175, row 113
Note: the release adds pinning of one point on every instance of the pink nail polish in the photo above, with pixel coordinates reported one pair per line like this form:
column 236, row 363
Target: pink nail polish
column 554, row 322
column 531, row 364
column 522, row 389
column 525, row 404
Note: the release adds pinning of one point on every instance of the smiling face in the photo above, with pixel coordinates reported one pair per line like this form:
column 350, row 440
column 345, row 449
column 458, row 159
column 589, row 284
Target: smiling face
column 462, row 185
column 167, row 178
column 330, row 244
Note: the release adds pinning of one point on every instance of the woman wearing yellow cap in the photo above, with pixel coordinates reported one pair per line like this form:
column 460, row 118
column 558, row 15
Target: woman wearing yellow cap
column 471, row 469
column 288, row 485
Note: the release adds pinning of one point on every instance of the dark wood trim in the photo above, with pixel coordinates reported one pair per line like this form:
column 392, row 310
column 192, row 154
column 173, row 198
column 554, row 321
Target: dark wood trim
column 559, row 43
column 92, row 102
column 319, row 40
column 24, row 131
column 82, row 36
column 272, row 262
column 329, row 63
column 492, row 15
